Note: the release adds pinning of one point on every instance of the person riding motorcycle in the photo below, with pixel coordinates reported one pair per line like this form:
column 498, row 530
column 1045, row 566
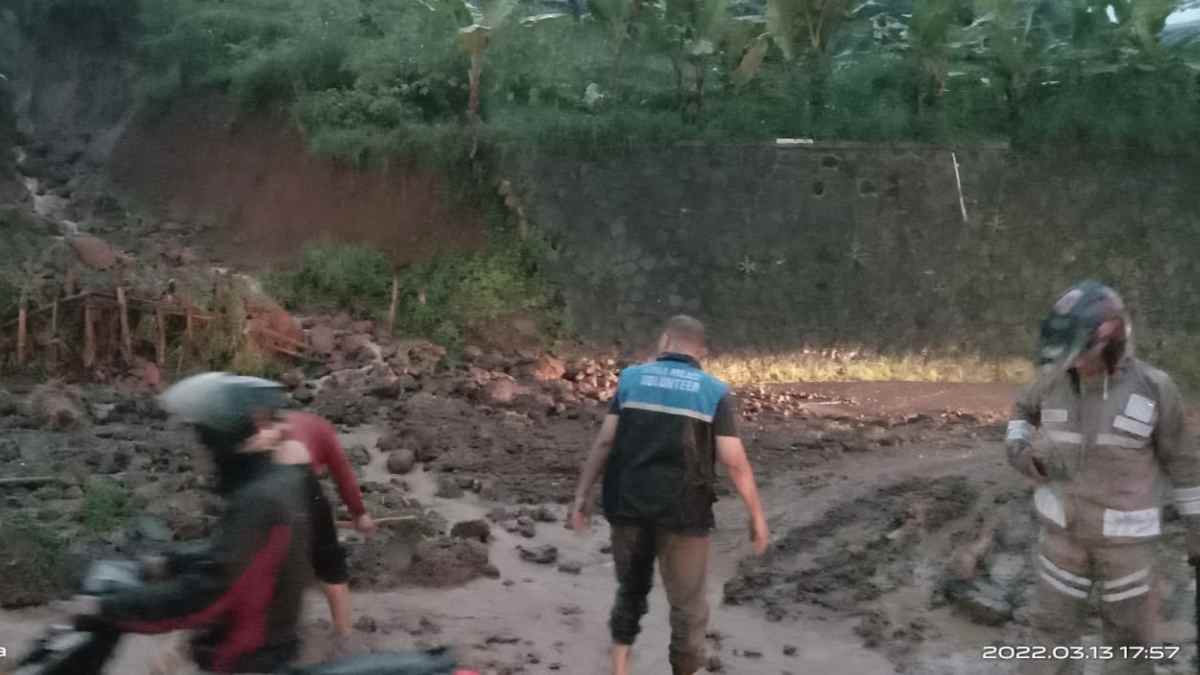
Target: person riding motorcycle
column 1098, row 432
column 242, row 594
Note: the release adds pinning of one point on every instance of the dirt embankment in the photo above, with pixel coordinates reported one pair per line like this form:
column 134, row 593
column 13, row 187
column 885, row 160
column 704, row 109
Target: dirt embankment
column 267, row 195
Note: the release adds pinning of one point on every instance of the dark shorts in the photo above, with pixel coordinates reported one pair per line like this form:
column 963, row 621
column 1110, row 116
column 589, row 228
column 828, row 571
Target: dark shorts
column 328, row 556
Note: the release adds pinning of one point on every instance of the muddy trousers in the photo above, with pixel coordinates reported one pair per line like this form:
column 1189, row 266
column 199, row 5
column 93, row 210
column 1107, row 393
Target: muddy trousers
column 1119, row 577
column 683, row 565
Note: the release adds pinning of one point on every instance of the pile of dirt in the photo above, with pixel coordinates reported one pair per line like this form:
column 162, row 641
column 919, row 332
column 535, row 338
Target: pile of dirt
column 855, row 552
column 448, row 561
column 417, row 557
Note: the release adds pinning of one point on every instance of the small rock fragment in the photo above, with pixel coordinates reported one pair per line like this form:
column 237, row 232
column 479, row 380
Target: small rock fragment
column 541, row 555
column 526, row 528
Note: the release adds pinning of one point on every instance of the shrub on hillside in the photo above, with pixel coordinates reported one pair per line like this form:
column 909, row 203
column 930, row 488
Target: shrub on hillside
column 353, row 277
column 439, row 298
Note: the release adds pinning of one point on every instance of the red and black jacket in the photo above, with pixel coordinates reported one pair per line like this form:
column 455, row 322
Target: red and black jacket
column 243, row 594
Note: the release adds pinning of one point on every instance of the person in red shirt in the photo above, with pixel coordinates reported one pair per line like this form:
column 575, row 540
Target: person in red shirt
column 324, row 454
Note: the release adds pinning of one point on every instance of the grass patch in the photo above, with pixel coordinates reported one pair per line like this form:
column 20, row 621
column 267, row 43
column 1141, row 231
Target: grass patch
column 34, row 561
column 746, row 368
column 41, row 540
column 333, row 277
column 440, row 299
column 106, row 506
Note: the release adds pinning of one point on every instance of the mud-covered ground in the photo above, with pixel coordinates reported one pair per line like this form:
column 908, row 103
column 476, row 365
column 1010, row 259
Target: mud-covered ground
column 873, row 493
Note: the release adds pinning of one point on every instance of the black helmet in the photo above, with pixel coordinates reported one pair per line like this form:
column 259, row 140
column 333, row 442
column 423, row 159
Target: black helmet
column 1074, row 325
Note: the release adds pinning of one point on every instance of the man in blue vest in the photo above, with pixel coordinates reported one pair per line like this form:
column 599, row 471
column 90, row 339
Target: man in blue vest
column 668, row 426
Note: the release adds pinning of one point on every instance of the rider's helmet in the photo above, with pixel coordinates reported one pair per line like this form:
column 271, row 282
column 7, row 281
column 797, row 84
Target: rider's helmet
column 223, row 409
column 1088, row 314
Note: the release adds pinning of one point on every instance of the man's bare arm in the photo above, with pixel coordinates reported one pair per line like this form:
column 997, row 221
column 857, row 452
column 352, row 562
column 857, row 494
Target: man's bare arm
column 732, row 454
column 594, row 465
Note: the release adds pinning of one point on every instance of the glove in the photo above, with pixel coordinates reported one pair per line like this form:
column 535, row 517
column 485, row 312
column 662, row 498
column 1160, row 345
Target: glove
column 1023, row 458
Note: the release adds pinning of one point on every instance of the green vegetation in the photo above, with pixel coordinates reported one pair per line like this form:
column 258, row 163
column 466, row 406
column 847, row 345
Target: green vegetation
column 449, row 295
column 439, row 80
column 441, row 298
column 20, row 527
column 336, row 276
column 34, row 559
column 106, row 506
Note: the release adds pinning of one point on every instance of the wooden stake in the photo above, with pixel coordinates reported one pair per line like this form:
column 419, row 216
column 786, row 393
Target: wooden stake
column 126, row 341
column 395, row 300
column 54, row 335
column 89, row 335
column 187, row 335
column 160, row 347
column 22, row 331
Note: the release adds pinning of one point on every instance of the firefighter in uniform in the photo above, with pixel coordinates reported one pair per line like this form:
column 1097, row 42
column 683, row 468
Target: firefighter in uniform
column 1097, row 432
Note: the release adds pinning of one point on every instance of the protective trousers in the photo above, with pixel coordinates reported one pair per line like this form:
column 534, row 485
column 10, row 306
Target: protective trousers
column 683, row 564
column 1069, row 572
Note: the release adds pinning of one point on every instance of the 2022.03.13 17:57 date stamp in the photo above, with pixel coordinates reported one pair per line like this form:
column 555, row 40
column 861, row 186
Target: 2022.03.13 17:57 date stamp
column 1080, row 652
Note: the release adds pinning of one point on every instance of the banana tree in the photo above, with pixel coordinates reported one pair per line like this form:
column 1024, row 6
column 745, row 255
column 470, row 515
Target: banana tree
column 616, row 16
column 474, row 41
column 1016, row 42
column 697, row 27
column 930, row 31
column 1023, row 42
column 805, row 26
column 806, row 29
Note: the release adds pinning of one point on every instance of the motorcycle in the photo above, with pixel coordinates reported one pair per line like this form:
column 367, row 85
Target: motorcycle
column 67, row 650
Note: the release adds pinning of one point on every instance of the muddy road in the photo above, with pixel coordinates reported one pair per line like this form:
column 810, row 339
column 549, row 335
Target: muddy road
column 871, row 491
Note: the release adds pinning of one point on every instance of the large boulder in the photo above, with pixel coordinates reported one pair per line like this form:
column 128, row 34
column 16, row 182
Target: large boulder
column 401, row 461
column 93, row 251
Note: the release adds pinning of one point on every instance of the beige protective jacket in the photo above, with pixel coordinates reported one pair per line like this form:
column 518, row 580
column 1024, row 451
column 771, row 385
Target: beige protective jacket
column 1108, row 445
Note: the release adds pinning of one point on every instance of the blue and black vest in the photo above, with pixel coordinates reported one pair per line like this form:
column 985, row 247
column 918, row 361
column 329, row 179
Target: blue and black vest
column 661, row 469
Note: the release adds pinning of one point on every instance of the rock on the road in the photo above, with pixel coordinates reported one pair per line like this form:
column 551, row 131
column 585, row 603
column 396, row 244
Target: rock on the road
column 541, row 555
column 472, row 529
column 525, row 527
column 401, row 461
column 984, row 603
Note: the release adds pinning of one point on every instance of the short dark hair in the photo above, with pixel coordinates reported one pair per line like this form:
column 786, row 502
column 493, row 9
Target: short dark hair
column 685, row 329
